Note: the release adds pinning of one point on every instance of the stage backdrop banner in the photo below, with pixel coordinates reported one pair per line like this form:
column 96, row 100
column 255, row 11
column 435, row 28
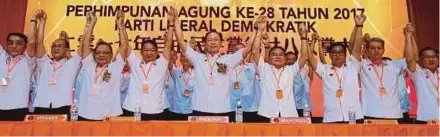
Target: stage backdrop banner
column 146, row 19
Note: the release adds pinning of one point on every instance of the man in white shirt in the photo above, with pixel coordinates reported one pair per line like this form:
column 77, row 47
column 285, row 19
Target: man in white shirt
column 426, row 78
column 277, row 99
column 340, row 80
column 17, row 66
column 148, row 76
column 99, row 78
column 379, row 83
column 55, row 76
column 212, row 72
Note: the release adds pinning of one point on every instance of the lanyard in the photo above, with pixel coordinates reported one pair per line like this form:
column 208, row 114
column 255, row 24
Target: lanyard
column 10, row 68
column 186, row 80
column 99, row 71
column 211, row 65
column 56, row 66
column 435, row 82
column 239, row 72
column 380, row 77
column 339, row 78
column 143, row 70
column 278, row 79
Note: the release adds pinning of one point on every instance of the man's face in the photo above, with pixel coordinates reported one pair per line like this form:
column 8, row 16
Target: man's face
column 213, row 43
column 337, row 55
column 59, row 49
column 277, row 58
column 149, row 52
column 375, row 51
column 15, row 46
column 102, row 54
column 237, row 47
column 173, row 56
column 429, row 59
column 291, row 59
column 184, row 60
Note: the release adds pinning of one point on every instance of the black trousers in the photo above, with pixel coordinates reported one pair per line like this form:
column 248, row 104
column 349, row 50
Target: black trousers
column 405, row 119
column 171, row 116
column 398, row 119
column 61, row 110
column 301, row 112
column 359, row 121
column 146, row 117
column 13, row 114
column 85, row 119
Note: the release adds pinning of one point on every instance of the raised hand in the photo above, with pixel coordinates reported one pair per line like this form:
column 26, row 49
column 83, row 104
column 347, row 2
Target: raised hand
column 366, row 37
column 261, row 23
column 63, row 35
column 42, row 16
column 265, row 40
column 316, row 37
column 360, row 19
column 408, row 30
column 171, row 15
column 302, row 31
column 120, row 17
column 91, row 18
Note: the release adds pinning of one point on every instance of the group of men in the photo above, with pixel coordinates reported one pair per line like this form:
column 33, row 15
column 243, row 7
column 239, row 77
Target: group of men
column 266, row 81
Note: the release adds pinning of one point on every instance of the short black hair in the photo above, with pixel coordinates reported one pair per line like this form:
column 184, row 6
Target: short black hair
column 65, row 41
column 105, row 44
column 277, row 47
column 387, row 58
column 336, row 44
column 376, row 39
column 152, row 42
column 426, row 49
column 18, row 34
column 212, row 31
column 291, row 52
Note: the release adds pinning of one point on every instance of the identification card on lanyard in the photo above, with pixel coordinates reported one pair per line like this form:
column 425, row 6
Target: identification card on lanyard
column 279, row 91
column 98, row 73
column 145, row 87
column 211, row 78
column 55, row 68
column 7, row 78
column 339, row 91
column 237, row 74
column 382, row 89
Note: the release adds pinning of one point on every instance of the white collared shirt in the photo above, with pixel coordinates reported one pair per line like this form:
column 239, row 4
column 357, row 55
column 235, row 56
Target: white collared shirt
column 152, row 102
column 107, row 101
column 373, row 103
column 16, row 94
column 59, row 94
column 336, row 109
column 427, row 97
column 212, row 98
column 270, row 105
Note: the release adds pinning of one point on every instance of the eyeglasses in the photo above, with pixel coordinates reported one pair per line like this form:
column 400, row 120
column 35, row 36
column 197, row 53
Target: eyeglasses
column 341, row 53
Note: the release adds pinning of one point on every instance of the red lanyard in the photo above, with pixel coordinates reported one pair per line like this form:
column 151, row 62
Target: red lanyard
column 435, row 82
column 99, row 71
column 10, row 68
column 55, row 67
column 380, row 77
column 211, row 65
column 143, row 70
column 239, row 72
column 278, row 79
column 339, row 78
column 186, row 80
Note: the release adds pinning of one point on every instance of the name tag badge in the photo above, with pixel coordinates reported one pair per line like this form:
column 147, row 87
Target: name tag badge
column 5, row 81
column 211, row 80
column 167, row 85
column 145, row 87
column 279, row 94
column 236, row 85
column 186, row 93
column 53, row 80
column 383, row 90
column 339, row 93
